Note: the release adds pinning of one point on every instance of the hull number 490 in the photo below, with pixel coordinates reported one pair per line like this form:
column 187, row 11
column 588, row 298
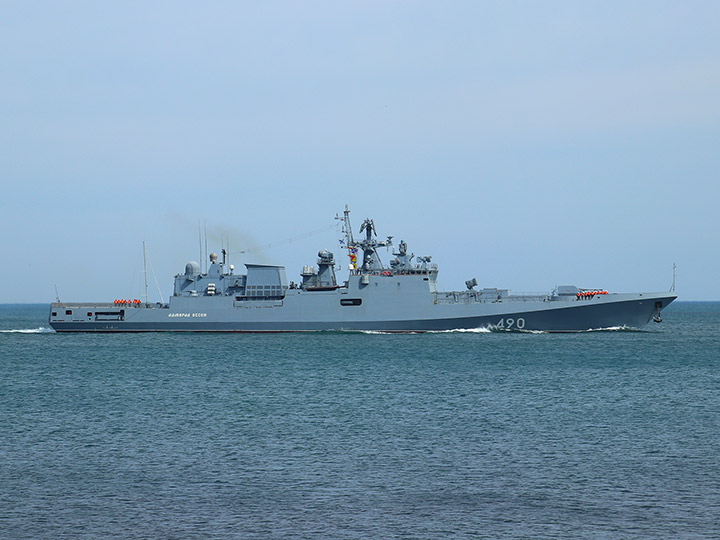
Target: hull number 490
column 518, row 323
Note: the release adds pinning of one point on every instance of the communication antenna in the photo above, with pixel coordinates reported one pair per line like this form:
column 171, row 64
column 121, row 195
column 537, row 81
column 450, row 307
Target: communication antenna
column 200, row 243
column 156, row 282
column 672, row 288
column 57, row 295
column 145, row 269
column 346, row 228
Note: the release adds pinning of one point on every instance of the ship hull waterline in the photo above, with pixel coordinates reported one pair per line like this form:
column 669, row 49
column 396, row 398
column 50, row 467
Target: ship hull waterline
column 573, row 316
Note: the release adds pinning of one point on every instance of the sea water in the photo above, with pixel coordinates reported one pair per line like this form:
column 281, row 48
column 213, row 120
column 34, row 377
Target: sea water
column 603, row 434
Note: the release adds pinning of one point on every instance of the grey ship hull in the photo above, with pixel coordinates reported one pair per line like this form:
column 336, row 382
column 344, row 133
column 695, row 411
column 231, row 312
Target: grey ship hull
column 401, row 297
column 380, row 310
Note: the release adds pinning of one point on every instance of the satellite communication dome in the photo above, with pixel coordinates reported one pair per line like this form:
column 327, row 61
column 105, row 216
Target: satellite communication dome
column 192, row 269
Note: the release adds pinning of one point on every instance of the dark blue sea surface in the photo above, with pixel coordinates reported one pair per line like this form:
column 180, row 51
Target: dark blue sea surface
column 606, row 434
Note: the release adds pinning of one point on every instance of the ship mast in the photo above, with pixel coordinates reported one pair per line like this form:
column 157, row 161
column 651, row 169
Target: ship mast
column 371, row 259
column 346, row 228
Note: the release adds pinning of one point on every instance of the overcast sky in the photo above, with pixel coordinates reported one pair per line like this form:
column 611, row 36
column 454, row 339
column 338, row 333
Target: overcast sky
column 527, row 144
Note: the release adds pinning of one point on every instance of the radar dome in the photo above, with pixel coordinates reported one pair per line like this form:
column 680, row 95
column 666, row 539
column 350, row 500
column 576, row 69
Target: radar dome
column 192, row 269
column 213, row 258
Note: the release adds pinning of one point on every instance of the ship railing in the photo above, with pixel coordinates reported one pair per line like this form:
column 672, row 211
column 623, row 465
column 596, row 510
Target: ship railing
column 471, row 297
column 414, row 270
column 85, row 304
column 109, row 305
column 530, row 296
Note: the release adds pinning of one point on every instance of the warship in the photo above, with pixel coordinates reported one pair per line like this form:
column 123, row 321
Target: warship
column 401, row 296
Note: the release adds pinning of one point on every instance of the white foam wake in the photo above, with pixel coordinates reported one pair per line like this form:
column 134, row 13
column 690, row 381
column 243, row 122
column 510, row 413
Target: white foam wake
column 497, row 329
column 39, row 330
column 614, row 329
column 482, row 330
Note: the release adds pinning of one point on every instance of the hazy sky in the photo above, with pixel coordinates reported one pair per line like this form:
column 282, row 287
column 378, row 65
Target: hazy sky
column 527, row 144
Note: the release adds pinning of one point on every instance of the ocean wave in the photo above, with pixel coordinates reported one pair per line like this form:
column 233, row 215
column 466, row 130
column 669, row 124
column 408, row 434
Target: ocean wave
column 615, row 329
column 39, row 330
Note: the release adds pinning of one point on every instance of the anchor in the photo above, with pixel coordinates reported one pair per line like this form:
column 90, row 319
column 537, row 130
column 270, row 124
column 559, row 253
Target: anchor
column 657, row 318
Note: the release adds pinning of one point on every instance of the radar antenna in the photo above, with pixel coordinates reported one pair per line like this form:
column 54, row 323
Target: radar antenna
column 371, row 259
